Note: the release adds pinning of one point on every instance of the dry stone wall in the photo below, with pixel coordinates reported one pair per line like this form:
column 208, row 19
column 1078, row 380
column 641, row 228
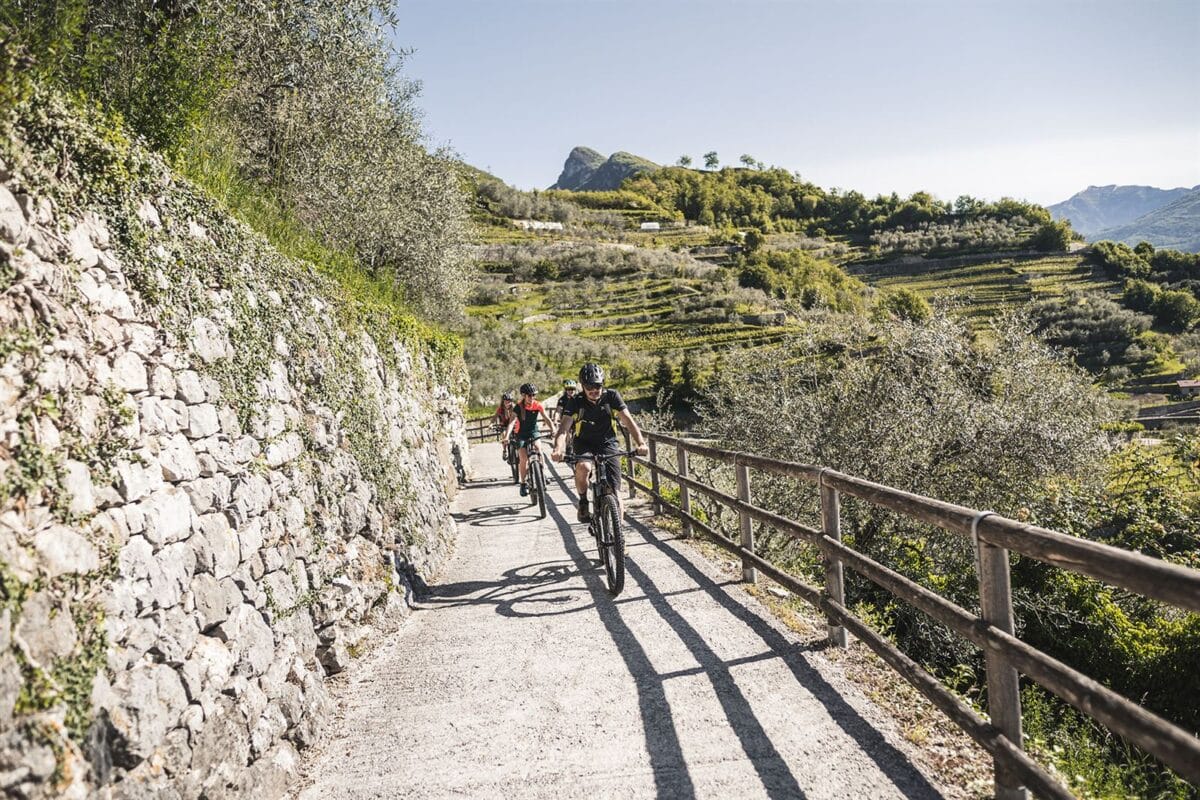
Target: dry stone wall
column 218, row 471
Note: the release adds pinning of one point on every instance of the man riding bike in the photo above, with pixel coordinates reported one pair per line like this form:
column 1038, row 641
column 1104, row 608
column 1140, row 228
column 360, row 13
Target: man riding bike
column 570, row 387
column 528, row 412
column 591, row 414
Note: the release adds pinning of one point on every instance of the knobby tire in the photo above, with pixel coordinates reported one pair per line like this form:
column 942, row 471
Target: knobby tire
column 612, row 545
column 539, row 480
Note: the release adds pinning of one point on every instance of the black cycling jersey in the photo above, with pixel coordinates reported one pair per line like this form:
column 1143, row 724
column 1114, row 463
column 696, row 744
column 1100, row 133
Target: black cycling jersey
column 595, row 423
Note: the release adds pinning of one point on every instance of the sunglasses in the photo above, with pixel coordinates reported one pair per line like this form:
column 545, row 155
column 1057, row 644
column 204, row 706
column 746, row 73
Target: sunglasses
column 591, row 387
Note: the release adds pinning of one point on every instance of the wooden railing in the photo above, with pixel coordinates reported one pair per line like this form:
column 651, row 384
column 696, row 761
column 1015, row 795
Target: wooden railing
column 993, row 537
column 479, row 429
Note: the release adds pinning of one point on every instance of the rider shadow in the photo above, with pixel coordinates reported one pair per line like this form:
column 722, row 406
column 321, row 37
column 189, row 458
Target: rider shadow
column 661, row 739
column 491, row 516
column 517, row 585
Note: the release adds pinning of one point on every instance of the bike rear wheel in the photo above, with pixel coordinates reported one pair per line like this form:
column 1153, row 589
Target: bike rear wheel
column 612, row 544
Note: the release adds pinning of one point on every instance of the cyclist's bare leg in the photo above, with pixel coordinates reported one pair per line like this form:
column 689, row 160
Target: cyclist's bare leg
column 583, row 470
column 522, row 463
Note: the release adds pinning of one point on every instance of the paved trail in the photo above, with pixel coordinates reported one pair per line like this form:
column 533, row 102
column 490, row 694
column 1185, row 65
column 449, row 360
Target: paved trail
column 521, row 677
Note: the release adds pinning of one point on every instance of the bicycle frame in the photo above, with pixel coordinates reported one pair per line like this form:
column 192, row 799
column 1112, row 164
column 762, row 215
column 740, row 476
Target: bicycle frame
column 606, row 519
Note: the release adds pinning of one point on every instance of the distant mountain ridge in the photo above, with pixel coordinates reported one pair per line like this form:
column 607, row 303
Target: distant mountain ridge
column 1175, row 226
column 1100, row 208
column 586, row 170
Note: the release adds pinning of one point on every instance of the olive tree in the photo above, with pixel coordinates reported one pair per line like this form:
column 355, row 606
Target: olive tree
column 924, row 407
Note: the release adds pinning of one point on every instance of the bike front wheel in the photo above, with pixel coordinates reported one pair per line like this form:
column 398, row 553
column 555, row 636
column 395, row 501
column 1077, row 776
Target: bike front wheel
column 612, row 545
column 539, row 482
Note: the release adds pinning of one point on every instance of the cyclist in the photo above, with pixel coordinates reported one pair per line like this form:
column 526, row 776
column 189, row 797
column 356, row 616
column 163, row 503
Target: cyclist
column 591, row 414
column 505, row 413
column 570, row 387
column 525, row 428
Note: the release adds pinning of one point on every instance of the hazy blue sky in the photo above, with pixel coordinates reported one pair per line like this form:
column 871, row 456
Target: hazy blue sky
column 1027, row 99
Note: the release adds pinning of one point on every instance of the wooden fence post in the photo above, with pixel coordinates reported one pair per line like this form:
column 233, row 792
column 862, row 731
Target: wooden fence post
column 685, row 498
column 654, row 476
column 1004, row 694
column 835, row 587
column 632, row 464
column 749, row 573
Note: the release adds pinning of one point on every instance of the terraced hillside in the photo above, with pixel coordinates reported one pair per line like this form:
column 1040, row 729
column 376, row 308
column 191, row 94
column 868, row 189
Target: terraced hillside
column 650, row 301
column 982, row 288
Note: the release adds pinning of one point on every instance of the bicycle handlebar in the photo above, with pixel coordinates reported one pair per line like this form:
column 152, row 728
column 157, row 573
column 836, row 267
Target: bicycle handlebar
column 572, row 459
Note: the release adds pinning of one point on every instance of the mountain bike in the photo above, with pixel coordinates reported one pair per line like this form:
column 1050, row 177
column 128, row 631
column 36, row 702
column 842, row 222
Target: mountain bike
column 513, row 460
column 605, row 526
column 535, row 476
column 510, row 455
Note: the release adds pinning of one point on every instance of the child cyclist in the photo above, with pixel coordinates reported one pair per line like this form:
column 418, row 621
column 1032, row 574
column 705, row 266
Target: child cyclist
column 528, row 412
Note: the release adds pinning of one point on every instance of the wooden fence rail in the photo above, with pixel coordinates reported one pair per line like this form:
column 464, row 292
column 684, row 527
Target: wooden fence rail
column 479, row 429
column 994, row 537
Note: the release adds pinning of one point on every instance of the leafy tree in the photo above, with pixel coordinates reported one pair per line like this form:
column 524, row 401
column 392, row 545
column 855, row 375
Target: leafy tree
column 748, row 160
column 903, row 304
column 664, row 382
column 689, row 387
column 967, row 206
column 753, row 241
column 926, row 408
column 684, row 161
column 1098, row 332
column 1118, row 260
column 1176, row 310
column 711, row 161
column 297, row 105
column 1053, row 237
column 1140, row 295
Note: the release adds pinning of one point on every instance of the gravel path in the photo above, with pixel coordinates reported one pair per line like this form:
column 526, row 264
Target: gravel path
column 521, row 677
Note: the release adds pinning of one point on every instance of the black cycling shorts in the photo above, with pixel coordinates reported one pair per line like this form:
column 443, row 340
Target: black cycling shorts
column 612, row 467
column 523, row 442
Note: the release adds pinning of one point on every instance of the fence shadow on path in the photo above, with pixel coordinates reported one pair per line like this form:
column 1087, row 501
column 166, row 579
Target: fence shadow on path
column 774, row 773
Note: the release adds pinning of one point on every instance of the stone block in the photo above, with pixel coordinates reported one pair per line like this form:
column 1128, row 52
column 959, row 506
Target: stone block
column 136, row 481
column 284, row 449
column 215, row 545
column 188, row 388
column 214, row 599
column 168, row 514
column 159, row 416
column 266, row 730
column 162, row 382
column 221, row 751
column 209, row 667
column 249, row 636
column 82, row 250
column 151, row 701
column 62, row 551
column 208, row 342
column 176, row 637
column 148, row 214
column 202, row 421
column 178, row 459
column 208, row 494
column 12, row 219
column 77, row 480
column 129, row 373
column 45, row 630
